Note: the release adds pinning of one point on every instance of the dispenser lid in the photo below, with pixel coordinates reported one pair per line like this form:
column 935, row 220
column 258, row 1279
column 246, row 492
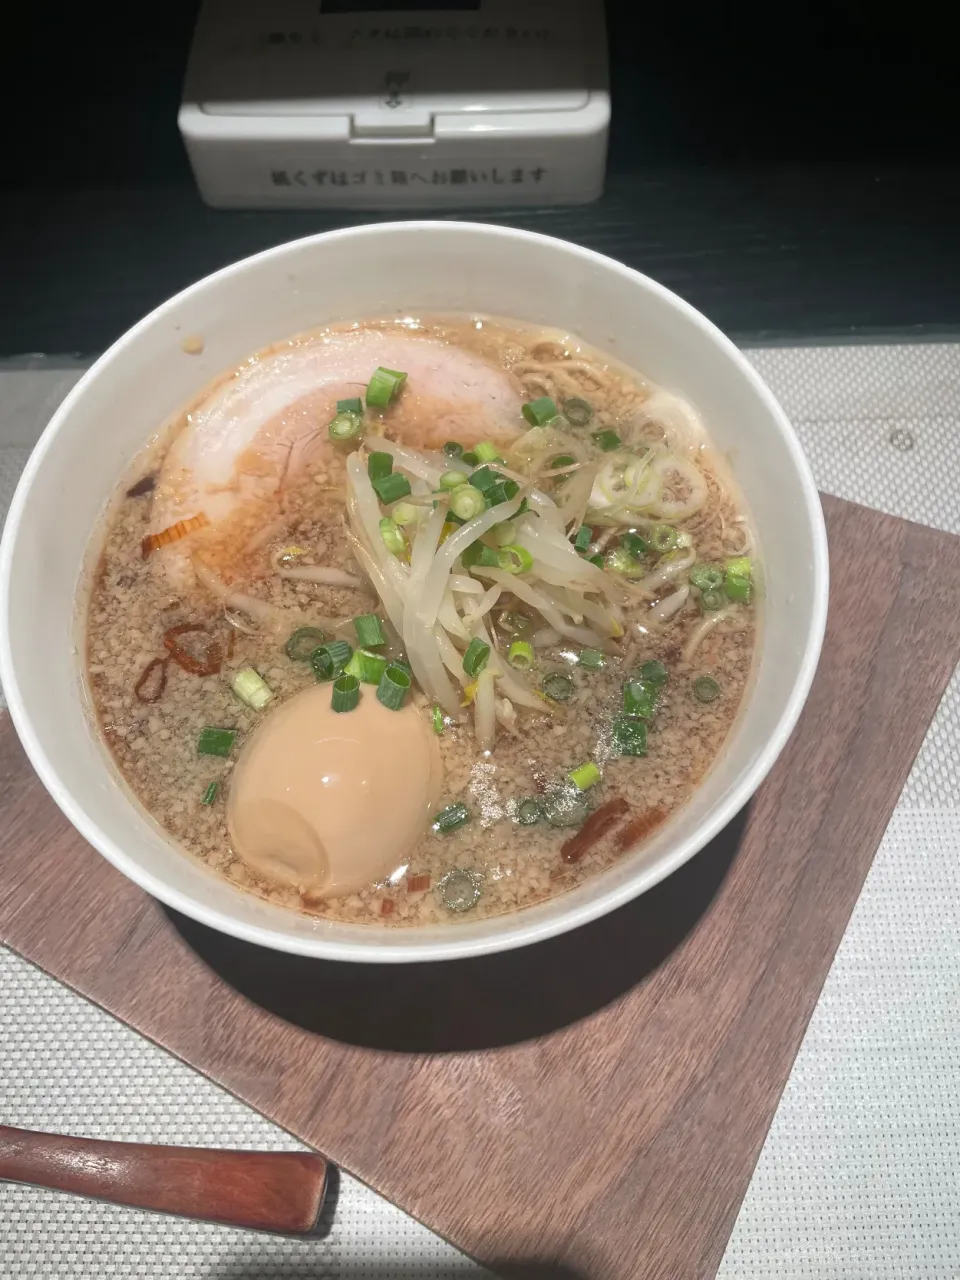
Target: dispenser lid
column 391, row 68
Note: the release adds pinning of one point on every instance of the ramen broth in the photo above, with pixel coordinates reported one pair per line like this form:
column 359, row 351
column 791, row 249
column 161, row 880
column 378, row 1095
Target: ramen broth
column 406, row 650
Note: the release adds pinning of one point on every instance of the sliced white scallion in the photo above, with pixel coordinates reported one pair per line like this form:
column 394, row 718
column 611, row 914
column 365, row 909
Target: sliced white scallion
column 680, row 423
column 251, row 688
column 668, row 469
column 625, row 486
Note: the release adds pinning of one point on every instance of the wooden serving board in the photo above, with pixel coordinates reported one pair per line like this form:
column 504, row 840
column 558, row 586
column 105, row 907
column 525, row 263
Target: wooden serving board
column 594, row 1106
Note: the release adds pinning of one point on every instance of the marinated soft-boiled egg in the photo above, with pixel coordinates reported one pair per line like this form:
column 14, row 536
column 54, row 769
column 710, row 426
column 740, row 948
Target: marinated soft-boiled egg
column 331, row 802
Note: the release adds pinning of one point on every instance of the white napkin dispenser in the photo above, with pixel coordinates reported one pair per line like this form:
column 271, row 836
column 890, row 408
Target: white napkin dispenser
column 363, row 104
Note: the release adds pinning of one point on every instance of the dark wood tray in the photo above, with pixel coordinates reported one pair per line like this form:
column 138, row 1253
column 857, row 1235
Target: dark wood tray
column 592, row 1106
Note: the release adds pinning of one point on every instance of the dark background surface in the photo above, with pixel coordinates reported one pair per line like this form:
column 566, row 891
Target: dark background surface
column 794, row 174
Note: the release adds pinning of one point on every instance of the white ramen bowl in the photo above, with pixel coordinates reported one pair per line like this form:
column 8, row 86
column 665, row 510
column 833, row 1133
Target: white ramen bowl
column 389, row 269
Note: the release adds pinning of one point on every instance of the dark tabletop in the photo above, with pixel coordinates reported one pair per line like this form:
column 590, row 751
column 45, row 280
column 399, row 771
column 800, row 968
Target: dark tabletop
column 793, row 175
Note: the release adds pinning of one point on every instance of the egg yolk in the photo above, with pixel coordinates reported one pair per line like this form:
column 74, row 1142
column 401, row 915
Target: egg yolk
column 330, row 802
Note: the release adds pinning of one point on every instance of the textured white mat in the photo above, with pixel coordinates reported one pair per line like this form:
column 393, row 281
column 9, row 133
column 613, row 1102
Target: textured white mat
column 860, row 1175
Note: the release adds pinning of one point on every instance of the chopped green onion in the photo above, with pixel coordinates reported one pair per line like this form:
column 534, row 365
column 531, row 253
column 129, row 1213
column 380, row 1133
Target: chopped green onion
column 346, row 693
column 449, row 819
column 467, row 502
column 215, row 742
column 737, row 588
column 453, row 479
column 251, row 688
column 330, row 659
column 211, row 793
column 654, row 673
column 476, row 657
column 503, row 533
column 619, row 560
column 633, row 543
column 592, row 658
column 453, row 449
column 505, row 491
column 663, row 537
column 436, row 715
column 629, row 736
column 369, row 630
column 394, row 686
column 520, row 655
column 469, row 459
column 577, row 412
column 606, row 440
column 345, row 426
column 529, row 812
column 639, row 699
column 459, row 890
column 478, row 553
column 584, row 537
column 405, row 513
column 487, row 451
column 705, row 577
column 705, row 689
column 515, row 559
column 584, row 776
column 737, row 579
column 710, row 601
column 485, row 478
column 557, row 686
column 565, row 806
column 393, row 539
column 392, row 487
column 303, row 642
column 539, row 412
column 354, row 405
column 562, row 460
column 597, row 560
column 366, row 666
column 379, row 465
column 383, row 386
